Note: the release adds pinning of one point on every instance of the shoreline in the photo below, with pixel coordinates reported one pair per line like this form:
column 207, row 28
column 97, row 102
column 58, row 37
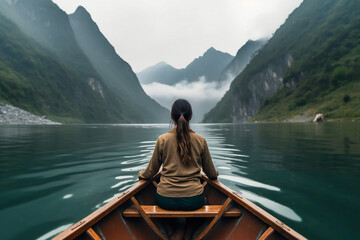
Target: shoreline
column 10, row 115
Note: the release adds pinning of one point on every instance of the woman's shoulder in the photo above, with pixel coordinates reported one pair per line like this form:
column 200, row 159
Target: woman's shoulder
column 167, row 135
column 172, row 134
column 197, row 136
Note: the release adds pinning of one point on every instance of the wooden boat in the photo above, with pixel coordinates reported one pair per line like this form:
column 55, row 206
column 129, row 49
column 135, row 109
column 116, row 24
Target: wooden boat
column 134, row 215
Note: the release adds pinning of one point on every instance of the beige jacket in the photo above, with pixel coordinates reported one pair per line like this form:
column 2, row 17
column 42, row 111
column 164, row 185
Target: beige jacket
column 178, row 180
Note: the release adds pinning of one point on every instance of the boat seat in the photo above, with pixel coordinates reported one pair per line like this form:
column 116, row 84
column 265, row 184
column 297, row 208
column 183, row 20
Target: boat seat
column 157, row 212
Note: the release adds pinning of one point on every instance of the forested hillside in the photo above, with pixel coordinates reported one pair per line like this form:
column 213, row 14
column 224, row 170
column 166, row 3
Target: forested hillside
column 115, row 72
column 58, row 79
column 208, row 66
column 242, row 58
column 310, row 65
column 34, row 81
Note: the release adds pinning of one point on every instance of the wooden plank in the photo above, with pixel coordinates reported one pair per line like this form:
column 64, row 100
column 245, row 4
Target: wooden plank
column 84, row 224
column 147, row 219
column 267, row 233
column 157, row 212
column 93, row 234
column 257, row 211
column 93, row 218
column 216, row 219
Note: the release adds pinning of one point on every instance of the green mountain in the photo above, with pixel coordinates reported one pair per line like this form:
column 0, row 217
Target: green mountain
column 47, row 28
column 161, row 73
column 242, row 58
column 32, row 80
column 210, row 65
column 48, row 25
column 310, row 65
column 115, row 72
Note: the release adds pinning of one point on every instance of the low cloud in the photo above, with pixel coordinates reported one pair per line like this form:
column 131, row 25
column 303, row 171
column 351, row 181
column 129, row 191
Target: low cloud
column 201, row 94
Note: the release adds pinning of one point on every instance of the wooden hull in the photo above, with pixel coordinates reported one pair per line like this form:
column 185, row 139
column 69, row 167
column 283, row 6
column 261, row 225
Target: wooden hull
column 110, row 223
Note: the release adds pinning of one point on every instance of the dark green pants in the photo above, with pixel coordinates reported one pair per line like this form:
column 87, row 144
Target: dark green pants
column 180, row 203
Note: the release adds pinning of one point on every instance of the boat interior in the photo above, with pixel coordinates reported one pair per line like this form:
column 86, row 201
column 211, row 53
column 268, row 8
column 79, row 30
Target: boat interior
column 134, row 215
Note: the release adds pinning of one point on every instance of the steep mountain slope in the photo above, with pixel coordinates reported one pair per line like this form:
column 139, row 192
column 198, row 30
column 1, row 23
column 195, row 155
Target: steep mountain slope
column 48, row 25
column 209, row 66
column 311, row 64
column 161, row 73
column 32, row 80
column 115, row 72
column 242, row 58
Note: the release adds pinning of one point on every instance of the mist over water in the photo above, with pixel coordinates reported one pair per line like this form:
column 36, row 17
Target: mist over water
column 299, row 173
column 202, row 95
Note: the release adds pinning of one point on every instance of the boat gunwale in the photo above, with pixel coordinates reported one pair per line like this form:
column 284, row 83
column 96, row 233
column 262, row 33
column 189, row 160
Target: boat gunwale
column 275, row 223
column 83, row 225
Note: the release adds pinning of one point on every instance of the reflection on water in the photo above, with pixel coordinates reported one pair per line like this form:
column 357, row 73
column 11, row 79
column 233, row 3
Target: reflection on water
column 248, row 182
column 54, row 232
column 300, row 173
column 280, row 209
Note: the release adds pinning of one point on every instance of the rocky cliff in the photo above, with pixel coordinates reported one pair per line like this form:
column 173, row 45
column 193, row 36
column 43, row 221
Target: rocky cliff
column 208, row 66
column 116, row 73
column 251, row 96
column 242, row 58
column 310, row 65
column 45, row 70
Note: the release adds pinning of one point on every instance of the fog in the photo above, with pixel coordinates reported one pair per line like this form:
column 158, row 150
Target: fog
column 201, row 94
column 147, row 32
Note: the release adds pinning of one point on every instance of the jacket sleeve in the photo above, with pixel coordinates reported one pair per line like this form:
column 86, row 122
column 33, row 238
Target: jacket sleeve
column 154, row 164
column 207, row 163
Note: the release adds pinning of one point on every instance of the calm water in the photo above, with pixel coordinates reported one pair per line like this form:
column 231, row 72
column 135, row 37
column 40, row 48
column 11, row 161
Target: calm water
column 307, row 175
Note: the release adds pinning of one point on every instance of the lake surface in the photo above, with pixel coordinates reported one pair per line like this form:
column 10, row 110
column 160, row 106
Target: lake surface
column 305, row 174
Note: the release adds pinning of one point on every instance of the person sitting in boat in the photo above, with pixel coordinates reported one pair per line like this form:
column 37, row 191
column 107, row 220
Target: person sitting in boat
column 182, row 153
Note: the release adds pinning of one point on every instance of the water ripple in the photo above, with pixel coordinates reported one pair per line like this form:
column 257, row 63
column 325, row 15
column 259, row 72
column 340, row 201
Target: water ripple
column 249, row 182
column 122, row 183
column 43, row 169
column 135, row 156
column 274, row 206
column 67, row 196
column 224, row 149
column 134, row 169
column 217, row 156
column 124, row 177
column 134, row 161
column 151, row 146
column 54, row 232
column 146, row 142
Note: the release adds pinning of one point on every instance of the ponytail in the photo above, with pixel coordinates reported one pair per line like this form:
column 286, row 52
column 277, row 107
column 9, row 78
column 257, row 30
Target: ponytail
column 181, row 113
column 183, row 139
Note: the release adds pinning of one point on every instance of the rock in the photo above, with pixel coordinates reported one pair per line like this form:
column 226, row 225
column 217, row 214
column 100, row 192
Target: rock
column 319, row 117
column 10, row 115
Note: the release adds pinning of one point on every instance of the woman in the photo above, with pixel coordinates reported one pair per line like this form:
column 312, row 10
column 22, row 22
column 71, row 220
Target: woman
column 182, row 153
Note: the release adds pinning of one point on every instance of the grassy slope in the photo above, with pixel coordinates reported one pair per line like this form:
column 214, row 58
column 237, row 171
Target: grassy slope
column 49, row 26
column 324, row 39
column 330, row 65
column 334, row 105
column 115, row 72
column 34, row 81
column 57, row 80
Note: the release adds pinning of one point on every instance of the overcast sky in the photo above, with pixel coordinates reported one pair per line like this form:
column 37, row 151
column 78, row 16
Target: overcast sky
column 145, row 32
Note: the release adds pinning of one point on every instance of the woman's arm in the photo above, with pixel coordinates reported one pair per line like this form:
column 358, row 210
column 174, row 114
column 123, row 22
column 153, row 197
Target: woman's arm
column 207, row 163
column 154, row 164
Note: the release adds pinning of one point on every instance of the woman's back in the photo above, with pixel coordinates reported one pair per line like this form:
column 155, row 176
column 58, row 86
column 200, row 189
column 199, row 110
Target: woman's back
column 182, row 154
column 179, row 179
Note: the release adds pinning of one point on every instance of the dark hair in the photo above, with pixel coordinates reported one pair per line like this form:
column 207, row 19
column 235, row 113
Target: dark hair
column 181, row 114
